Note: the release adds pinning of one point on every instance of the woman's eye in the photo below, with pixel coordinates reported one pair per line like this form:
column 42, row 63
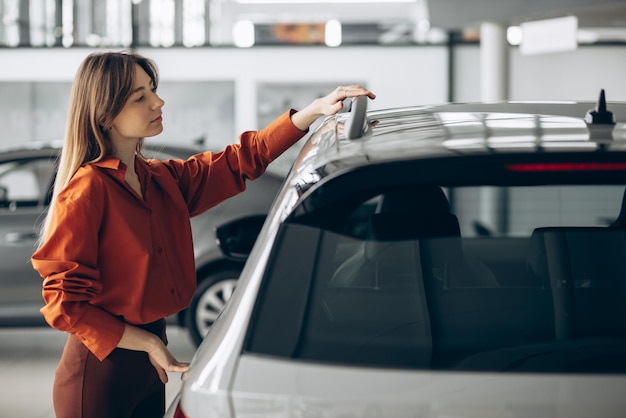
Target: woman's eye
column 140, row 99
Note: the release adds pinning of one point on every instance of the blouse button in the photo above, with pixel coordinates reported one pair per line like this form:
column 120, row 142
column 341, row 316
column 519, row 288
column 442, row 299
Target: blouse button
column 160, row 250
column 172, row 291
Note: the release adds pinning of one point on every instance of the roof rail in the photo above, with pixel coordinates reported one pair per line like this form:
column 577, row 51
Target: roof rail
column 356, row 124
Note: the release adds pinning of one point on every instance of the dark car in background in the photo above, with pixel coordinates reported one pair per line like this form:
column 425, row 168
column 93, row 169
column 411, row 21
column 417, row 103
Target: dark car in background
column 223, row 236
column 462, row 260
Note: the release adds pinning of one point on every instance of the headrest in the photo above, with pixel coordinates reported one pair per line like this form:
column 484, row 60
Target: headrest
column 415, row 200
column 387, row 226
column 413, row 212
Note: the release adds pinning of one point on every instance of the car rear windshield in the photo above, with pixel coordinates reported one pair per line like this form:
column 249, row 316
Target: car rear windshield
column 435, row 275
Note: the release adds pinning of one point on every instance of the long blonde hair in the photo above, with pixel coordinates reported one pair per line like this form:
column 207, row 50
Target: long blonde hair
column 100, row 90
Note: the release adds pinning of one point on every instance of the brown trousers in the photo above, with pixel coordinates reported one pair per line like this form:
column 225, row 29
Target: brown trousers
column 123, row 385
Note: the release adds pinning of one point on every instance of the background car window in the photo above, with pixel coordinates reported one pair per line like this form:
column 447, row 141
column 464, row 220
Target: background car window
column 25, row 183
column 411, row 290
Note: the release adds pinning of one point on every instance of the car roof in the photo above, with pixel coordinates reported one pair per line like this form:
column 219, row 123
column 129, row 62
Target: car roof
column 464, row 129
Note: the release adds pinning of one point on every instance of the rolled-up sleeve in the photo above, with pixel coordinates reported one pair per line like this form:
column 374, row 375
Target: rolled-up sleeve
column 68, row 264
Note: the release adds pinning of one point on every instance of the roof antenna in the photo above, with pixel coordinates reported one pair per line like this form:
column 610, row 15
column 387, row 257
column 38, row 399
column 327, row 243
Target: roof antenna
column 600, row 121
column 600, row 115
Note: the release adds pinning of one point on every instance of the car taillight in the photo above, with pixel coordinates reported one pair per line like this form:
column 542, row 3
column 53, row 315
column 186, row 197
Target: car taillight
column 178, row 413
column 567, row 167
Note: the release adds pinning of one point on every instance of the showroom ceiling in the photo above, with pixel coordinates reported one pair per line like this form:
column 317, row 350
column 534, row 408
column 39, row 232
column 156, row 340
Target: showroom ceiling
column 460, row 14
column 606, row 18
column 164, row 23
column 445, row 14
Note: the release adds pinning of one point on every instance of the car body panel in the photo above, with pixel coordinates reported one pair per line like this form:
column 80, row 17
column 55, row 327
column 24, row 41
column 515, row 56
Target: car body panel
column 21, row 284
column 20, row 298
column 271, row 387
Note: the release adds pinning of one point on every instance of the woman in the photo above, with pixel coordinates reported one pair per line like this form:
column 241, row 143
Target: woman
column 116, row 252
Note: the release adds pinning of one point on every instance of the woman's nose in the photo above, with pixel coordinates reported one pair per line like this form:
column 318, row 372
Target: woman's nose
column 158, row 102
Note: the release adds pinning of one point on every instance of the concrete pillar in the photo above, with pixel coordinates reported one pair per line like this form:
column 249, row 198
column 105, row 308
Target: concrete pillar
column 494, row 61
column 494, row 84
column 178, row 22
column 24, row 23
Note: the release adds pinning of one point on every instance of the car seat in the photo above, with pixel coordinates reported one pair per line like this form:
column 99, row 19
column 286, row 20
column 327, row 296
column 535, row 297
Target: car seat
column 620, row 222
column 412, row 227
column 584, row 267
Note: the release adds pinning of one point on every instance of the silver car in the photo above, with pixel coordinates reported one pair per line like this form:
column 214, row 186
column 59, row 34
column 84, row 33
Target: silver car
column 462, row 260
column 223, row 236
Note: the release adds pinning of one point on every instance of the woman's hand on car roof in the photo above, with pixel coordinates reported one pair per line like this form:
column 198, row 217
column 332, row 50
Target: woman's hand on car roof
column 328, row 105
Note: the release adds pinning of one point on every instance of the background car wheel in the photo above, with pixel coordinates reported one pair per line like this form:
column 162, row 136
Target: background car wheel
column 209, row 300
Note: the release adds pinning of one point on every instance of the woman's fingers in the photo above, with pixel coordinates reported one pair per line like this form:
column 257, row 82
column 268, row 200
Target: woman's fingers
column 159, row 369
column 179, row 367
column 162, row 375
column 344, row 92
column 164, row 362
column 333, row 102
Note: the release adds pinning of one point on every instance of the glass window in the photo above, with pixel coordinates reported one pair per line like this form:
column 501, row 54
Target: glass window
column 404, row 279
column 25, row 183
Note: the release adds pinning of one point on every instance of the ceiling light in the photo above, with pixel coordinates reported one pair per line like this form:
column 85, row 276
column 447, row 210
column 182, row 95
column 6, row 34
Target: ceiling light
column 332, row 33
column 514, row 35
column 243, row 34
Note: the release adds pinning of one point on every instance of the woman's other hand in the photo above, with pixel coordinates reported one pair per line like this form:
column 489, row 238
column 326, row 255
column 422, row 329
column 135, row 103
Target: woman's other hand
column 164, row 362
column 135, row 338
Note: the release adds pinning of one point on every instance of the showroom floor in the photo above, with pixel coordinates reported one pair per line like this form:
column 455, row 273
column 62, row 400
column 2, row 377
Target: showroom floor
column 28, row 358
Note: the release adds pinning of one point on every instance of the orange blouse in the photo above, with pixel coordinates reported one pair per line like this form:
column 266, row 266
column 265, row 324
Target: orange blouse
column 112, row 258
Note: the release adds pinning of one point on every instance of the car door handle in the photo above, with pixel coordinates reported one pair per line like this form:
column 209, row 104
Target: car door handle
column 19, row 237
